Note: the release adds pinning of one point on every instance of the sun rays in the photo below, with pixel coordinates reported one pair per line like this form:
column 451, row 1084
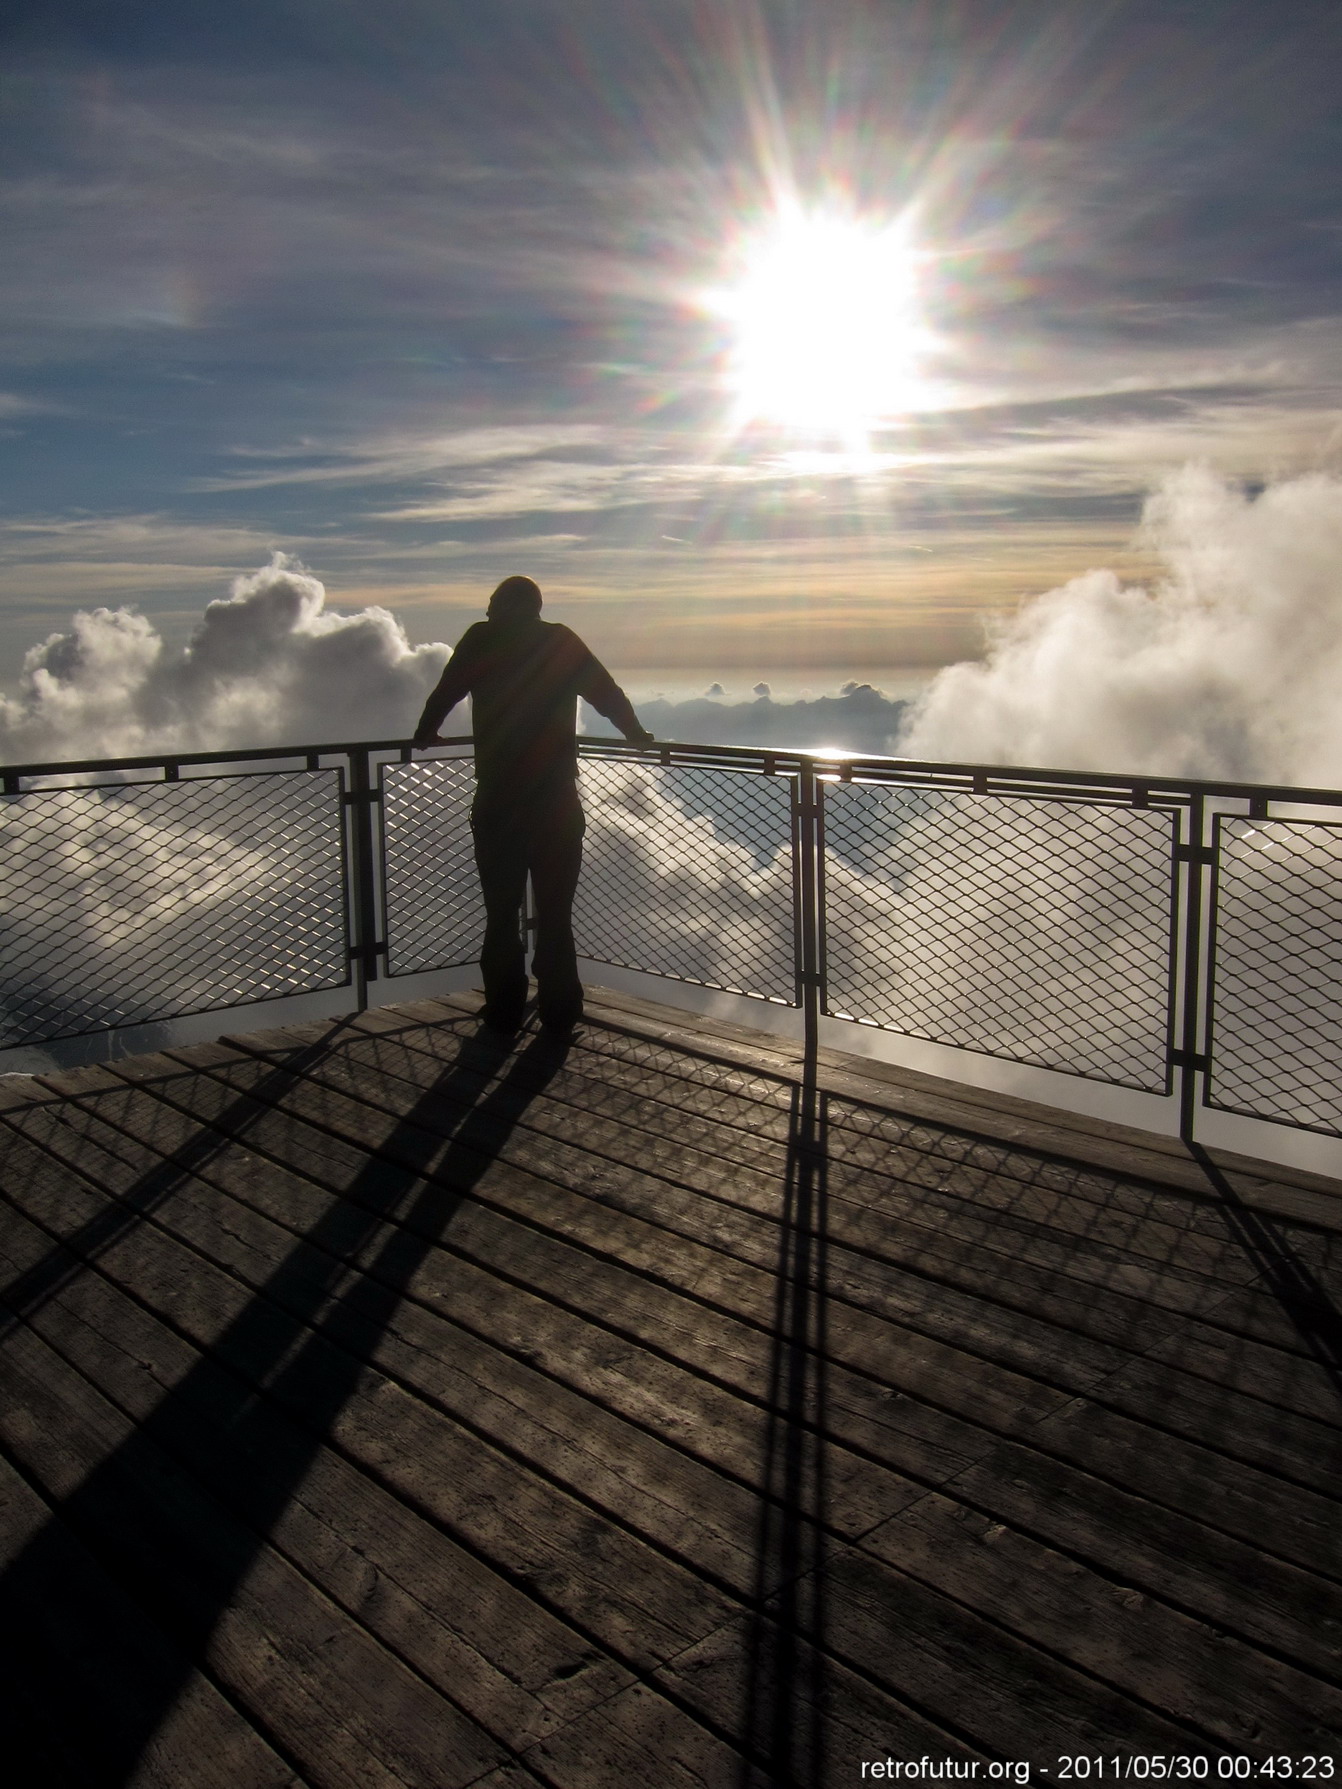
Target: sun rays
column 827, row 334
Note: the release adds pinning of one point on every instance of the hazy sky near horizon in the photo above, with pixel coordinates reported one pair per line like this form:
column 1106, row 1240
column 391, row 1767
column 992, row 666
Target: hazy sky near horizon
column 425, row 294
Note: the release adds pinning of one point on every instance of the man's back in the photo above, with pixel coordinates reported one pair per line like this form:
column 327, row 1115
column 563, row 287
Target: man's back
column 524, row 677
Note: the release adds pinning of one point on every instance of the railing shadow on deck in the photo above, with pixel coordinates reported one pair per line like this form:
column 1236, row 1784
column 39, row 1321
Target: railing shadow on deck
column 179, row 1510
column 784, row 1697
column 1305, row 1301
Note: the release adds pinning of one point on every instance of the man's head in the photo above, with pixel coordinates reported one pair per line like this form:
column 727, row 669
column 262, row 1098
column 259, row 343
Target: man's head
column 516, row 599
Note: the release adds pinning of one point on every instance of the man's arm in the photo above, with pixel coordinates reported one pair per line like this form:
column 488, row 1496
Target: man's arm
column 600, row 689
column 452, row 687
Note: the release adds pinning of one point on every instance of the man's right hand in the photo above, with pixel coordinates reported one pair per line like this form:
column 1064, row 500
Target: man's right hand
column 643, row 739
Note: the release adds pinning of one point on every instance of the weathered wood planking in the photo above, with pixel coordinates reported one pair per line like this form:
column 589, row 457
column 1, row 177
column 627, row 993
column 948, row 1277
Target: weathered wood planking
column 401, row 1409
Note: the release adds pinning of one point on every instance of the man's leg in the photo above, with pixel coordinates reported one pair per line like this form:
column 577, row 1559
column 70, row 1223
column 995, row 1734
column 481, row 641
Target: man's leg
column 556, row 859
column 501, row 851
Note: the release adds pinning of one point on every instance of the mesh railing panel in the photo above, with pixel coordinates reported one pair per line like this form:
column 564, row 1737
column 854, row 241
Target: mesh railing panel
column 1034, row 930
column 1277, row 975
column 129, row 902
column 435, row 917
column 688, row 873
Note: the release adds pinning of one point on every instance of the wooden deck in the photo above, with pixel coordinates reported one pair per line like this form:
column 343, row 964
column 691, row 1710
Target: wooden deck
column 384, row 1408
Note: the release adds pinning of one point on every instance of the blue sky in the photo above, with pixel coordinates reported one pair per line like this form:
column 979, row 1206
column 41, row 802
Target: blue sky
column 415, row 292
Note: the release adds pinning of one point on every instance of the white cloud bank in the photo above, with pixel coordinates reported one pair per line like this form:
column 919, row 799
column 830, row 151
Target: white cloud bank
column 1228, row 668
column 268, row 665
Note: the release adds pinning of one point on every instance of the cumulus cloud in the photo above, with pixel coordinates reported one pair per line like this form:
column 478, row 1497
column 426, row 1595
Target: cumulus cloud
column 268, row 665
column 1227, row 667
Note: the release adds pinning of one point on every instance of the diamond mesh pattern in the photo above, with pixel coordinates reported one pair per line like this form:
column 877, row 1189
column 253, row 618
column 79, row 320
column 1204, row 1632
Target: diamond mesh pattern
column 1277, row 1012
column 1036, row 930
column 131, row 902
column 687, row 872
column 435, row 917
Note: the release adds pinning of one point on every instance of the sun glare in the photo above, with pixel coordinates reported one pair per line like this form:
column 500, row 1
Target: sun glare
column 827, row 334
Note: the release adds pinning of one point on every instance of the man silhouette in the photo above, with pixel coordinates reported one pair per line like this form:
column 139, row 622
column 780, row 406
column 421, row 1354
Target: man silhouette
column 524, row 676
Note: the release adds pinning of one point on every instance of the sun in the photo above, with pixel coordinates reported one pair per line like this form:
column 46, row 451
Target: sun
column 827, row 335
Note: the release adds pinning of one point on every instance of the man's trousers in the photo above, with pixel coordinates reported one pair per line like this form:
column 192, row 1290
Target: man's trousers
column 538, row 835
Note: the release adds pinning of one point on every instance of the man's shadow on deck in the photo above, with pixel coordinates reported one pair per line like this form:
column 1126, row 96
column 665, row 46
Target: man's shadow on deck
column 170, row 1522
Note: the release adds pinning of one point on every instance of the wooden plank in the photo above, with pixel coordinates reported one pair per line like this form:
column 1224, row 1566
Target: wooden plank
column 638, row 1738
column 341, row 1707
column 340, row 1095
column 1288, row 1443
column 1208, row 1466
column 1173, row 1555
column 1160, row 1514
column 1257, row 1371
column 23, row 1090
column 994, row 1696
column 666, row 1400
column 579, row 1214
column 285, row 1539
column 1136, row 1219
column 512, row 1775
column 859, row 1136
column 1276, row 1438
column 1001, row 1262
column 1236, row 1695
column 755, row 1101
column 1294, row 1194
column 1300, row 1518
column 736, row 1211
column 81, row 1713
column 475, row 1636
column 1301, row 1381
column 863, row 1414
column 1023, row 1261
column 1297, row 1524
column 737, row 1093
column 1248, row 1437
column 859, row 1131
column 586, row 1743
column 675, row 1502
column 869, row 1170
column 1257, row 1315
column 799, row 1714
column 595, row 1573
column 998, row 1693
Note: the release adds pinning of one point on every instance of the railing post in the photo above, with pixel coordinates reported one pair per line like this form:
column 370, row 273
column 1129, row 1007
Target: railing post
column 1190, row 1061
column 364, row 945
column 808, row 878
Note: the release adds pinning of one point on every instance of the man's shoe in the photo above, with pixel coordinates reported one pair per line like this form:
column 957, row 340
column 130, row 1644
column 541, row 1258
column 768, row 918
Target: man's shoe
column 560, row 1016
column 503, row 1019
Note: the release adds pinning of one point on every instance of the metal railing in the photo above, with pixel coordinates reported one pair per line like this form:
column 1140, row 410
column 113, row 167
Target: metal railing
column 1155, row 934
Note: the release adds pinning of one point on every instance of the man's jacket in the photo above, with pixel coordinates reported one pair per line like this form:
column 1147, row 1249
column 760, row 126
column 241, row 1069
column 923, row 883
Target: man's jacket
column 524, row 679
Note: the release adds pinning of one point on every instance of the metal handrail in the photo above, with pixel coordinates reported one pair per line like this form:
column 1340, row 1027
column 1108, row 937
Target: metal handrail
column 1197, row 809
column 1139, row 789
